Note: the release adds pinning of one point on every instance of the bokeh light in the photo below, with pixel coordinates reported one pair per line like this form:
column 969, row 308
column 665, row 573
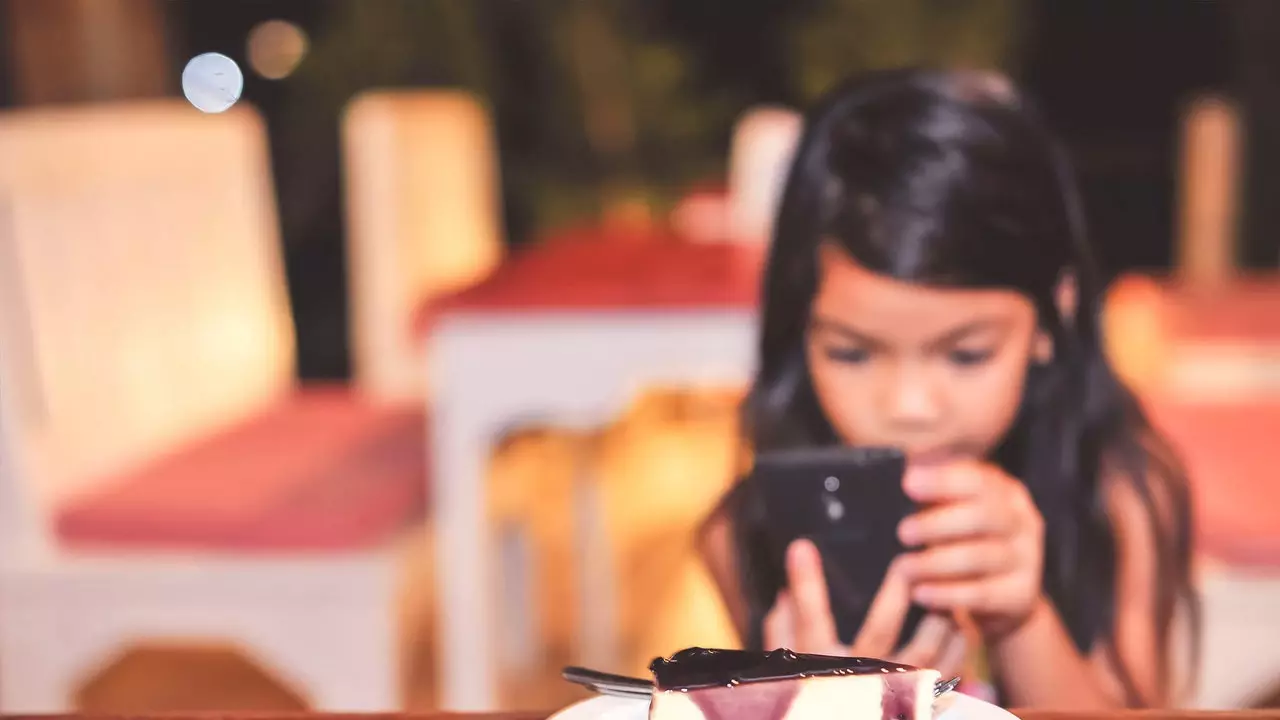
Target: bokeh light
column 275, row 48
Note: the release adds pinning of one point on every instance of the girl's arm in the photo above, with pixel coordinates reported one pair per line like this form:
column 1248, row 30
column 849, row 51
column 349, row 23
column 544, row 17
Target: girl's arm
column 716, row 546
column 1040, row 665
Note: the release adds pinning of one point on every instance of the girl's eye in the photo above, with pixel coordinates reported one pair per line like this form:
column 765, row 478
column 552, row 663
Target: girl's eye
column 851, row 356
column 969, row 358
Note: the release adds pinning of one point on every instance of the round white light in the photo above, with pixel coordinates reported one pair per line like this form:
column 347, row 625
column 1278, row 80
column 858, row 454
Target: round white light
column 212, row 82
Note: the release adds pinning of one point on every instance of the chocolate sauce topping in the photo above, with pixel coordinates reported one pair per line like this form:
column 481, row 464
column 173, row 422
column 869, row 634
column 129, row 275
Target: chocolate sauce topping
column 700, row 667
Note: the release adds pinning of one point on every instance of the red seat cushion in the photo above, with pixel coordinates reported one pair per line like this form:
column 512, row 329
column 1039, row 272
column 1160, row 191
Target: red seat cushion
column 1230, row 451
column 323, row 470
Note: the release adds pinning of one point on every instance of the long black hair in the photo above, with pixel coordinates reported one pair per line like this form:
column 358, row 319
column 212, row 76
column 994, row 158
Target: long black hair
column 948, row 178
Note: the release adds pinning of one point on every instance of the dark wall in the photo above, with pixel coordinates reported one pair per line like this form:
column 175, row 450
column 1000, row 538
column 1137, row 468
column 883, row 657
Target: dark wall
column 1112, row 76
column 1256, row 80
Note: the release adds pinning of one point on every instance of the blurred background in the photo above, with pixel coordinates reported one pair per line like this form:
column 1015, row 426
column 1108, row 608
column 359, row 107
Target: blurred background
column 409, row 378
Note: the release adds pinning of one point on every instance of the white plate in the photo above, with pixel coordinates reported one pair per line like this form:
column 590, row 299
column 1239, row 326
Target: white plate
column 952, row 706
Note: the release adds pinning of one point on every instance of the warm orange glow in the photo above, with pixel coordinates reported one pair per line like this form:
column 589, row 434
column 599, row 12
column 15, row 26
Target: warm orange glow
column 656, row 472
column 1135, row 332
column 276, row 48
column 662, row 468
column 531, row 485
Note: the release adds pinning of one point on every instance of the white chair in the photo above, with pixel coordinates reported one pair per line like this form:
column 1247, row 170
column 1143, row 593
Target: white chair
column 423, row 222
column 422, row 211
column 145, row 339
column 764, row 143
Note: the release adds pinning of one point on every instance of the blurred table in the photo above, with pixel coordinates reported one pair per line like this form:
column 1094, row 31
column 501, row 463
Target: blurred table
column 1206, row 361
column 568, row 332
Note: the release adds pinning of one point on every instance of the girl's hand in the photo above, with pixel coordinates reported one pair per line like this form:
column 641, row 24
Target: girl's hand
column 983, row 540
column 801, row 619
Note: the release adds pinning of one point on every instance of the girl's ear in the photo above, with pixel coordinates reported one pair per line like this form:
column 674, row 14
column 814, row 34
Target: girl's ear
column 1042, row 348
column 1066, row 299
column 1066, row 295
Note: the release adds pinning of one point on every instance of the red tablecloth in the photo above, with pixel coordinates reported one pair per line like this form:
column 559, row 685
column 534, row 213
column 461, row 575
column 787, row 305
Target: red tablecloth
column 1231, row 455
column 613, row 270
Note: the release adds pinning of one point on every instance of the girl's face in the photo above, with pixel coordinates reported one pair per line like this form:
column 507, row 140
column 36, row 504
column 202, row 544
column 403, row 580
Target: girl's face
column 938, row 372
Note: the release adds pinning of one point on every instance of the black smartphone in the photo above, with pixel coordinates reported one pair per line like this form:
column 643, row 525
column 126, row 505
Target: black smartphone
column 849, row 502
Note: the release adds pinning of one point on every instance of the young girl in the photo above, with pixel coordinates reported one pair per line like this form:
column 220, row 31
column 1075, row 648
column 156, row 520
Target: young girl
column 930, row 287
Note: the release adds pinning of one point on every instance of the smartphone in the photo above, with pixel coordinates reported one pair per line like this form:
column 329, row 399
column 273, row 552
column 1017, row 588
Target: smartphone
column 849, row 502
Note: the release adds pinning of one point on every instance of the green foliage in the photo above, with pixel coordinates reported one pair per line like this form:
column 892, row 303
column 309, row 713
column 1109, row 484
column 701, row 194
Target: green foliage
column 846, row 36
column 635, row 103
column 624, row 116
column 380, row 43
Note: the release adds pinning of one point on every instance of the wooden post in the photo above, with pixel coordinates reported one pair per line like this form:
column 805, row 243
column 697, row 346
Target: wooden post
column 87, row 50
column 1206, row 251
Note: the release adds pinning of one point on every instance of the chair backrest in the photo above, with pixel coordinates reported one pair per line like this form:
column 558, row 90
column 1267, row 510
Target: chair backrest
column 23, row 529
column 143, row 301
column 764, row 142
column 423, row 206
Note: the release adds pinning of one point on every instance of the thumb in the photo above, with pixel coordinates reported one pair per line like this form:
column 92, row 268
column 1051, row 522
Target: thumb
column 813, row 624
column 779, row 624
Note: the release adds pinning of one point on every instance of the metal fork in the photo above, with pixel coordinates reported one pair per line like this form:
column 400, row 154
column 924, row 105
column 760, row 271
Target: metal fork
column 633, row 687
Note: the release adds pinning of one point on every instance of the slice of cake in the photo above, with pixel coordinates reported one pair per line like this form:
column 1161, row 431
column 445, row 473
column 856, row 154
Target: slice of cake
column 701, row 684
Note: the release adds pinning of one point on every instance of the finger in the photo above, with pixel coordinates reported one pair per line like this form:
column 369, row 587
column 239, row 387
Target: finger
column 958, row 560
column 926, row 645
column 812, row 622
column 778, row 630
column 954, row 520
column 878, row 636
column 976, row 594
column 952, row 659
column 953, row 481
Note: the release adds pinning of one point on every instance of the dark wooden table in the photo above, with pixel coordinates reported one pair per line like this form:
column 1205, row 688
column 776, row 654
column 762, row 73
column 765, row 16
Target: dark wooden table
column 1023, row 714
